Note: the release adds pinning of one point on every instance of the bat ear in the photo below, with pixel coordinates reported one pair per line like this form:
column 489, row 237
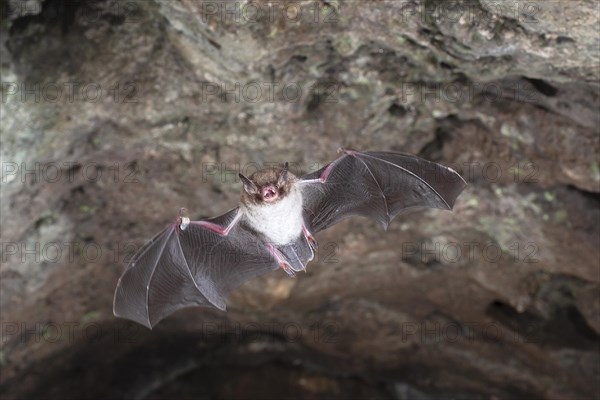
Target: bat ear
column 283, row 175
column 249, row 186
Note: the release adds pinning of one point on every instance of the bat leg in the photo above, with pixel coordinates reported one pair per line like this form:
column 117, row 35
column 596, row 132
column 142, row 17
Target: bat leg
column 312, row 242
column 284, row 265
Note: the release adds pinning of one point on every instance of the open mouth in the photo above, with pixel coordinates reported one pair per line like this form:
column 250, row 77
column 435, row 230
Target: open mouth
column 269, row 193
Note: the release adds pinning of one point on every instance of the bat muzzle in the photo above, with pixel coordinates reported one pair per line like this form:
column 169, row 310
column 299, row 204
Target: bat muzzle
column 270, row 193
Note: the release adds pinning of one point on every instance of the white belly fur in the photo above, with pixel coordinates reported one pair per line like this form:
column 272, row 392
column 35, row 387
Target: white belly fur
column 281, row 222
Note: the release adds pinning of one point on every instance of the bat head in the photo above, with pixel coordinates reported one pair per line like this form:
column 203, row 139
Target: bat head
column 267, row 185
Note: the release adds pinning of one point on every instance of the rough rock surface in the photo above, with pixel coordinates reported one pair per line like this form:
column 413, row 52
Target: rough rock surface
column 115, row 114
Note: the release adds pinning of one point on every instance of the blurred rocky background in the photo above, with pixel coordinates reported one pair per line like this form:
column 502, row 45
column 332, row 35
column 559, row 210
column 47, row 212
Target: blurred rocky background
column 116, row 114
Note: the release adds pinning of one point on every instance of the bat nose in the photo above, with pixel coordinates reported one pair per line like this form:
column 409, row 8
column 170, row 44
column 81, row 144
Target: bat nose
column 270, row 193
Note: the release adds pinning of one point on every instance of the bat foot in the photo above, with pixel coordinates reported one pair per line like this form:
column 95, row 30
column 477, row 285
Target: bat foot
column 312, row 242
column 288, row 270
column 282, row 263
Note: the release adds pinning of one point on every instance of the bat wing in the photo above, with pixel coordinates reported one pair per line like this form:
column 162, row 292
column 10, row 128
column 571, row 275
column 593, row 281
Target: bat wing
column 378, row 185
column 195, row 266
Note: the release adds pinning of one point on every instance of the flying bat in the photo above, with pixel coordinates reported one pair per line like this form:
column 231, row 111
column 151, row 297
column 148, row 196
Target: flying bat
column 197, row 263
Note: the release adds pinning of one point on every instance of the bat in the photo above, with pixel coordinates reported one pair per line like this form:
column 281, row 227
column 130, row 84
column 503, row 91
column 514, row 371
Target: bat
column 197, row 263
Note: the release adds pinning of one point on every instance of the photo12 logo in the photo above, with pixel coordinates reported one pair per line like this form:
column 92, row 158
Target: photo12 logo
column 268, row 92
column 69, row 92
column 69, row 172
column 430, row 332
column 88, row 252
column 247, row 12
column 470, row 252
column 84, row 12
column 461, row 12
column 466, row 92
column 87, row 330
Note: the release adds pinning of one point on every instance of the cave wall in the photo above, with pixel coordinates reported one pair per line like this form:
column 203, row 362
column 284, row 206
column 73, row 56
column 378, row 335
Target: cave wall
column 116, row 114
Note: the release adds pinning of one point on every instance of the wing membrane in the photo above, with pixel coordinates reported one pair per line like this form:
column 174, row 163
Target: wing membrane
column 186, row 268
column 378, row 185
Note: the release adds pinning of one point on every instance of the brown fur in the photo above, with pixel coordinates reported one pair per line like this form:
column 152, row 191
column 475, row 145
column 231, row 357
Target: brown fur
column 265, row 177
